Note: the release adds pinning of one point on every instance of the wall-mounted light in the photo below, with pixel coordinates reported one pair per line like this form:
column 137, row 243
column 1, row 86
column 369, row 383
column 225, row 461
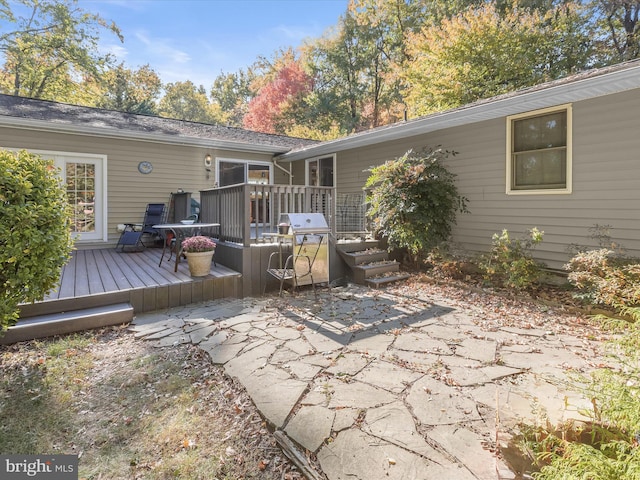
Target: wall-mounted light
column 207, row 164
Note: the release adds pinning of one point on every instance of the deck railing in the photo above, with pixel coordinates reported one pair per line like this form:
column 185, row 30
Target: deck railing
column 247, row 211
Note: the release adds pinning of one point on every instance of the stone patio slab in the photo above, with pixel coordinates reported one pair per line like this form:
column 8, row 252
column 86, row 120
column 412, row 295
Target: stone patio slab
column 355, row 455
column 274, row 392
column 421, row 342
column 434, row 403
column 395, row 424
column 482, row 350
column 311, row 426
column 221, row 353
column 348, row 364
column 469, row 450
column 371, row 342
column 357, row 395
column 388, row 376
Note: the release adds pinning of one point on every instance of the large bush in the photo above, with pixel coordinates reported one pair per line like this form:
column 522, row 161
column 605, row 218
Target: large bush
column 414, row 200
column 605, row 277
column 35, row 238
column 510, row 262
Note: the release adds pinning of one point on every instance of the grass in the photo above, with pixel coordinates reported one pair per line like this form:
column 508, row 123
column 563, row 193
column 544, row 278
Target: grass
column 129, row 410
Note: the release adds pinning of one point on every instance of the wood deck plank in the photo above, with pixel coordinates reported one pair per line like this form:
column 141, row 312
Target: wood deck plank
column 82, row 275
column 68, row 283
column 104, row 268
column 123, row 263
column 94, row 273
column 120, row 277
column 166, row 269
column 137, row 263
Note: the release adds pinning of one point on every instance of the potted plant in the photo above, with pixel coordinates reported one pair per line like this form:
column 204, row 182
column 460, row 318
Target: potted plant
column 199, row 251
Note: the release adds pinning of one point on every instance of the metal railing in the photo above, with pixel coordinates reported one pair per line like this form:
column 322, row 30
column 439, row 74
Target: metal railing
column 247, row 211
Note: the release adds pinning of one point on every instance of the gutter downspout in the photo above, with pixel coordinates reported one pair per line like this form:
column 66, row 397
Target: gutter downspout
column 288, row 172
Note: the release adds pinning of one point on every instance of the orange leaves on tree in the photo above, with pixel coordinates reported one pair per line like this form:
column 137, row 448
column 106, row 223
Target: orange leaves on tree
column 275, row 97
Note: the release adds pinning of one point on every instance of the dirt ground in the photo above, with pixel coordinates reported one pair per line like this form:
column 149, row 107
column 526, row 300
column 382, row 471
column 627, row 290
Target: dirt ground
column 132, row 411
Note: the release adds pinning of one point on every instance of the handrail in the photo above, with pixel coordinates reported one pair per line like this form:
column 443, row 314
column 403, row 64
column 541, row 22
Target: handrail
column 247, row 211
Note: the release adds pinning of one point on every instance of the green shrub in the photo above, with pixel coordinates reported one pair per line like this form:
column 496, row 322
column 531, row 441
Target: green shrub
column 414, row 200
column 611, row 450
column 605, row 277
column 35, row 238
column 510, row 263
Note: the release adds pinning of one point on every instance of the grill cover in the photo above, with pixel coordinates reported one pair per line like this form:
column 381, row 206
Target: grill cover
column 301, row 223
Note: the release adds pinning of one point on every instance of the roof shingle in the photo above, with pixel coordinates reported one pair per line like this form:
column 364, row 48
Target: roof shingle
column 75, row 116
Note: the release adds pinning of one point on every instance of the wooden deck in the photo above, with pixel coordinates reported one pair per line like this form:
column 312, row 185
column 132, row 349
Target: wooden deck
column 105, row 276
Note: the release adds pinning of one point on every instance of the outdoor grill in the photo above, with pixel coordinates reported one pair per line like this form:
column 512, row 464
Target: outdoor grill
column 303, row 223
column 303, row 256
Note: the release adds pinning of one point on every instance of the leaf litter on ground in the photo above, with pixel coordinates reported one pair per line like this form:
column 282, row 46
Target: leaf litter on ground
column 131, row 410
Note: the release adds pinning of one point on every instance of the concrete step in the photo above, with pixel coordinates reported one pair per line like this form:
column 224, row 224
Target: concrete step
column 47, row 325
column 364, row 256
column 370, row 270
column 377, row 282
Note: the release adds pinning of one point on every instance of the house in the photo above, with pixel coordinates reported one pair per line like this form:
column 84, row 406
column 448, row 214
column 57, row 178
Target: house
column 115, row 163
column 563, row 156
column 579, row 169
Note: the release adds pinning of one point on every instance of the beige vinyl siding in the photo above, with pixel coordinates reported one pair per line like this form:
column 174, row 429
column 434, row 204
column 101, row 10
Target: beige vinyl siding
column 606, row 179
column 298, row 172
column 129, row 191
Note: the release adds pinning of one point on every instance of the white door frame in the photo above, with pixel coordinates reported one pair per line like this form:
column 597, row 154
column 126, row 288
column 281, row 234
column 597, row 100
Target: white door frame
column 60, row 159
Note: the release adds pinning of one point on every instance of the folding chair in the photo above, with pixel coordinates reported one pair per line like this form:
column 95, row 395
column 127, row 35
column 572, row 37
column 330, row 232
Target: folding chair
column 133, row 232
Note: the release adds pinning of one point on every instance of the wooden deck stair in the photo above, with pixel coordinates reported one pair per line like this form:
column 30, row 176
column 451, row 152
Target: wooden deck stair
column 50, row 324
column 369, row 264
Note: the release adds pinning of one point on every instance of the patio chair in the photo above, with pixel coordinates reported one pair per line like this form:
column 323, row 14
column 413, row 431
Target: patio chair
column 132, row 235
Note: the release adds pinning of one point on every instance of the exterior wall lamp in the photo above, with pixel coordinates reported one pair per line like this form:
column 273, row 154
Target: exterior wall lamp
column 207, row 164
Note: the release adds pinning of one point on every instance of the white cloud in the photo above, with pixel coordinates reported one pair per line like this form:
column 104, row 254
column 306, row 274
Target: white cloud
column 115, row 49
column 162, row 48
column 291, row 33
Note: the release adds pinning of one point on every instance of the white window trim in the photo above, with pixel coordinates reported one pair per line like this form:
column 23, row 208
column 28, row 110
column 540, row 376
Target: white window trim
column 549, row 191
column 246, row 167
column 51, row 155
column 309, row 160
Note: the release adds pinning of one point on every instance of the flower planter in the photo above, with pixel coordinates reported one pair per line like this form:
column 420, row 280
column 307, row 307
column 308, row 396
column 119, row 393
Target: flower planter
column 199, row 263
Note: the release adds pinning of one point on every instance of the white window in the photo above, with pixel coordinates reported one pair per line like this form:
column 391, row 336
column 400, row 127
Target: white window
column 320, row 171
column 232, row 172
column 539, row 152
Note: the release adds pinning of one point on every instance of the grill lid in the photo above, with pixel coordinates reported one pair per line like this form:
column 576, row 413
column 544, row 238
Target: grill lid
column 305, row 222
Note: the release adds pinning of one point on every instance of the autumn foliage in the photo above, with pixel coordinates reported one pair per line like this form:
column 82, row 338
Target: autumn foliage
column 267, row 110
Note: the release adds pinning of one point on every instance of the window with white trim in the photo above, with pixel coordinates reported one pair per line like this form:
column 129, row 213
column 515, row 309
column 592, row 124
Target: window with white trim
column 320, row 171
column 539, row 151
column 232, row 172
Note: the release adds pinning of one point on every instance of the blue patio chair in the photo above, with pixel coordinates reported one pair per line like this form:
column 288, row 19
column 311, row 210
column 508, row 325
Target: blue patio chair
column 133, row 233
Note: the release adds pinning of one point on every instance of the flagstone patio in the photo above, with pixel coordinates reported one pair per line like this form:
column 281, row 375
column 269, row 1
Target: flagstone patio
column 392, row 384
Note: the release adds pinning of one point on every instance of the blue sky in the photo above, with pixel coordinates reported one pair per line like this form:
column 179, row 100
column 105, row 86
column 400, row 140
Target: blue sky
column 198, row 39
